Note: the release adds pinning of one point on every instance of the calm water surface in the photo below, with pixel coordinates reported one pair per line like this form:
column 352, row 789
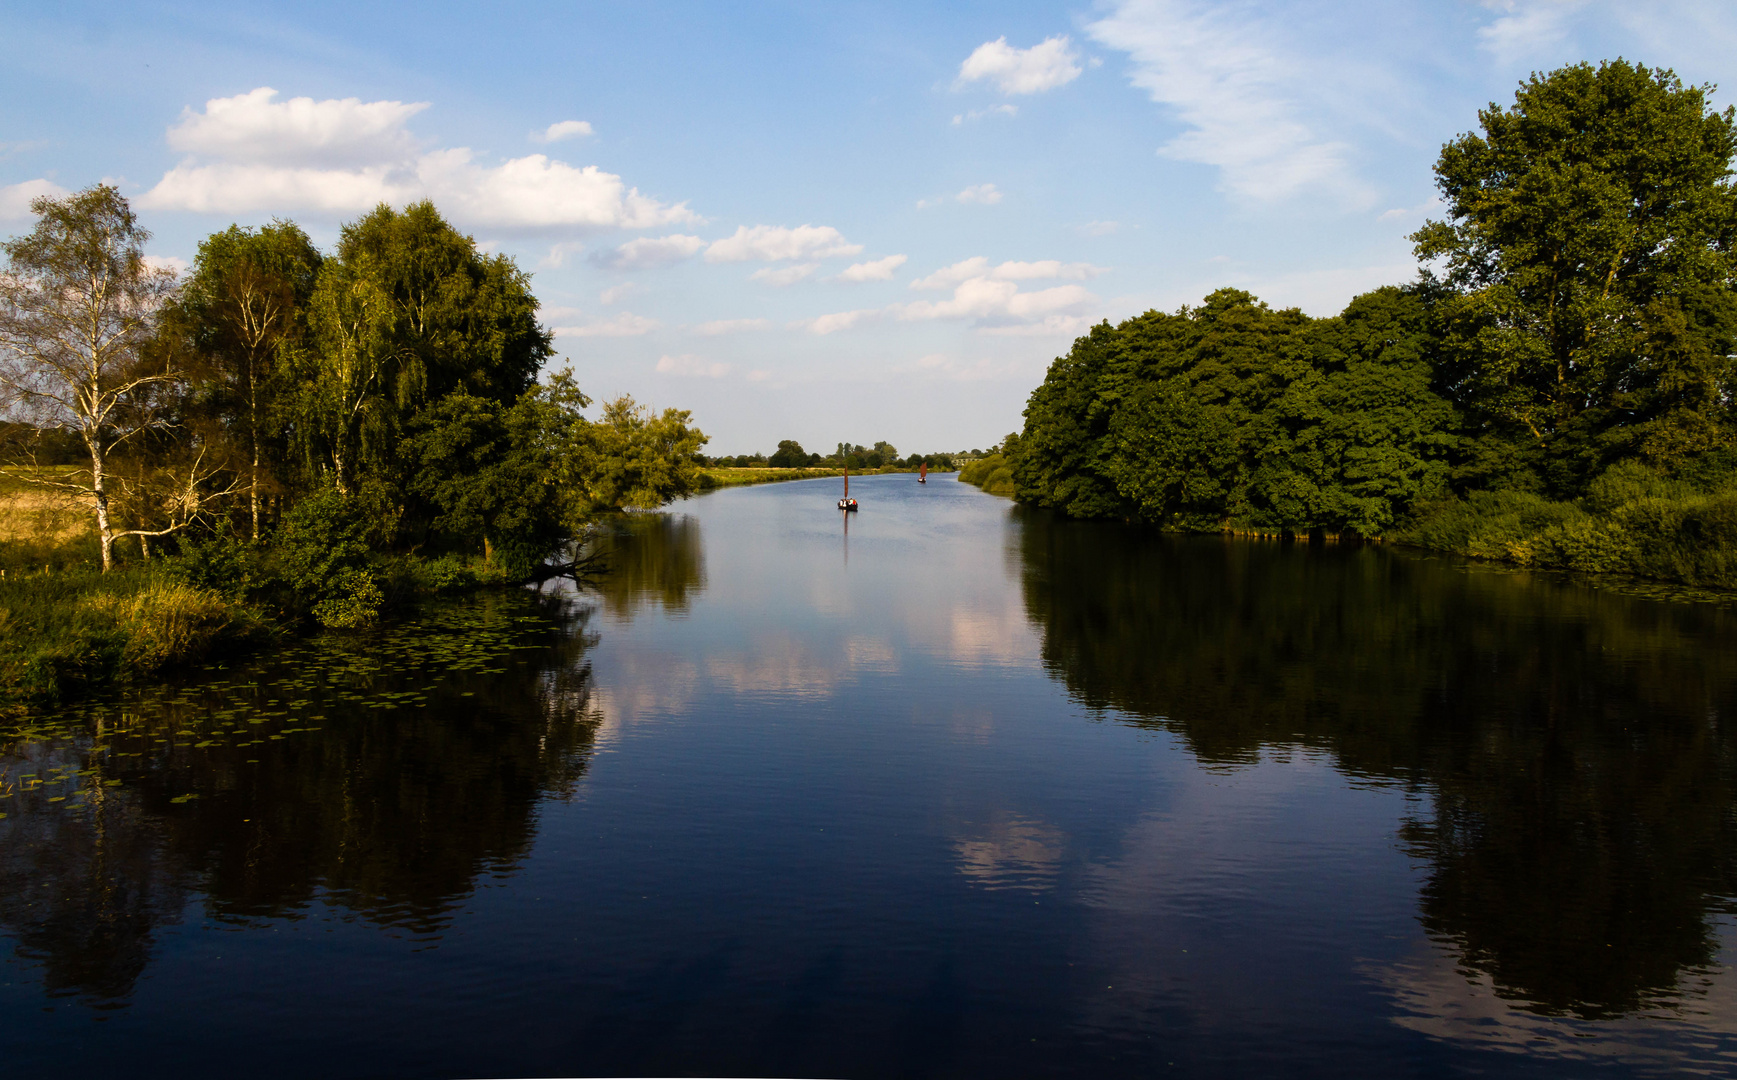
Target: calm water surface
column 965, row 792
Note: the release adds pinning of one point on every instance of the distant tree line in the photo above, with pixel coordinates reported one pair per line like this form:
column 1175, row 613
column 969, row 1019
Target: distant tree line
column 1556, row 388
column 791, row 455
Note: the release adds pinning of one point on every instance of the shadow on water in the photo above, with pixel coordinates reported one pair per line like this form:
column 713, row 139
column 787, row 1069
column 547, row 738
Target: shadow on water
column 1574, row 747
column 376, row 775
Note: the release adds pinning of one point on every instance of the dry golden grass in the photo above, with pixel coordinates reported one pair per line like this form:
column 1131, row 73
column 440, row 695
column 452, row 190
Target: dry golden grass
column 165, row 621
column 43, row 515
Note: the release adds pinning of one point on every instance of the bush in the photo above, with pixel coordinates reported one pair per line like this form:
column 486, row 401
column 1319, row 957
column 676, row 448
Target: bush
column 352, row 600
column 1632, row 521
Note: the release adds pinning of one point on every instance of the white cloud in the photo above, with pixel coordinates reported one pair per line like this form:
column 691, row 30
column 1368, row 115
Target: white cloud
column 647, row 252
column 1004, row 109
column 616, row 293
column 730, row 326
column 339, row 157
column 168, row 262
column 989, row 296
column 838, row 320
column 877, row 270
column 991, row 301
column 1044, row 66
column 1526, row 28
column 978, row 267
column 1240, row 97
column 771, row 243
column 1100, row 228
column 559, row 254
column 15, row 199
column 1051, row 326
column 251, row 127
column 980, row 193
column 785, row 275
column 625, row 324
column 693, row 366
column 566, row 129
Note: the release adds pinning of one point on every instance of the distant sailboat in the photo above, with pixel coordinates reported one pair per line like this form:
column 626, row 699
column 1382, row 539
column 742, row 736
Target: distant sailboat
column 847, row 503
column 923, row 473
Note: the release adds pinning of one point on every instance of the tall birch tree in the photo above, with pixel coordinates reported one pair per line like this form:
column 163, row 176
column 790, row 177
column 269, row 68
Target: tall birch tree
column 78, row 304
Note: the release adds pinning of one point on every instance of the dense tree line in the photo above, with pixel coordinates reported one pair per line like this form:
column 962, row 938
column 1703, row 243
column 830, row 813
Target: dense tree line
column 390, row 395
column 1575, row 326
column 791, row 455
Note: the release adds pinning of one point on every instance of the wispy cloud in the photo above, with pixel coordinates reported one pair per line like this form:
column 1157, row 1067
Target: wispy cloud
column 719, row 327
column 565, row 129
column 1239, row 93
column 625, row 324
column 876, row 270
column 785, row 275
column 559, row 254
column 774, row 243
column 989, row 296
column 978, row 194
column 692, row 366
column 978, row 267
column 1003, row 109
column 1526, row 27
column 649, row 252
column 984, row 194
column 1044, row 66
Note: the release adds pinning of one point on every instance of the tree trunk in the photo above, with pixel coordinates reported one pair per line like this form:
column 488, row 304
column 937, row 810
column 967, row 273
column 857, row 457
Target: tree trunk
column 253, row 430
column 99, row 494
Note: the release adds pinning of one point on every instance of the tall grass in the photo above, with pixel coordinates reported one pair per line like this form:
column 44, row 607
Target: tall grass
column 62, row 632
column 1631, row 521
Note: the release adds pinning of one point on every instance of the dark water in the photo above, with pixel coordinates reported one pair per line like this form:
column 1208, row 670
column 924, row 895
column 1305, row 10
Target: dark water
column 965, row 793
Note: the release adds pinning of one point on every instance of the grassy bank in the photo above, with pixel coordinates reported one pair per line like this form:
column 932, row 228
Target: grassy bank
column 712, row 477
column 991, row 473
column 1631, row 521
column 716, row 476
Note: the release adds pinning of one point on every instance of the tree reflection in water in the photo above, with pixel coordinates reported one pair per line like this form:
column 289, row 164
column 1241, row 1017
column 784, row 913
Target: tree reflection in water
column 1575, row 744
column 411, row 763
column 650, row 559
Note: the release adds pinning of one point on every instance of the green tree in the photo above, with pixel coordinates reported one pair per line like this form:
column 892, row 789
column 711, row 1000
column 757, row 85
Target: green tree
column 494, row 473
column 1587, row 270
column 789, row 455
column 242, row 308
column 78, row 308
column 634, row 459
column 406, row 312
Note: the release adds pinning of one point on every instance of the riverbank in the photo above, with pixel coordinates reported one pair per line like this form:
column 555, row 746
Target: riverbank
column 713, row 477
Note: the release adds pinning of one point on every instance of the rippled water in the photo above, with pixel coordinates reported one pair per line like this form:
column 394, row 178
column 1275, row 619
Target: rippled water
column 963, row 792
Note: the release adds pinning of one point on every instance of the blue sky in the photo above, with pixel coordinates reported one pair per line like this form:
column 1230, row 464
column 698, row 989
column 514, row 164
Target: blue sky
column 822, row 222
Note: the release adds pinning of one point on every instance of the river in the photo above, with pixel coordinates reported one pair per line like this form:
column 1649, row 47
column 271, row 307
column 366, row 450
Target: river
column 946, row 789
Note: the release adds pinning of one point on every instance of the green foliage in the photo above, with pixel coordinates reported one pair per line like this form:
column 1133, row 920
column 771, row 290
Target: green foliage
column 406, row 313
column 789, row 455
column 993, row 472
column 323, row 555
column 63, row 633
column 1587, row 305
column 635, row 459
column 1632, row 520
column 1233, row 413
